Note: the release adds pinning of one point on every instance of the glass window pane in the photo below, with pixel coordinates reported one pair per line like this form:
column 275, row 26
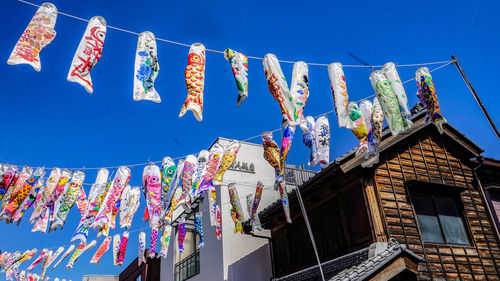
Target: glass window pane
column 451, row 221
column 427, row 219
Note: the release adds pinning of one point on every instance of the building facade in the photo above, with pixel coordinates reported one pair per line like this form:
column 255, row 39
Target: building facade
column 421, row 204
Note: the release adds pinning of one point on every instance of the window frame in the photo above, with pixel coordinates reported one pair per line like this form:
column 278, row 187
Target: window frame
column 432, row 190
column 193, row 258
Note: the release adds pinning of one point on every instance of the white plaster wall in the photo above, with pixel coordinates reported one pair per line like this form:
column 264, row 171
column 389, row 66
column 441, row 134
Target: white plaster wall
column 237, row 257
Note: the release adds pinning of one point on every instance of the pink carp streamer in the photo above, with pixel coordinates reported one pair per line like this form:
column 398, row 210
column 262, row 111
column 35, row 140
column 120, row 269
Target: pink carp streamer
column 78, row 252
column 230, row 153
column 146, row 68
column 101, row 250
column 427, row 95
column 239, row 66
column 195, row 81
column 141, row 256
column 123, row 248
column 339, row 92
column 20, row 196
column 37, row 35
column 104, row 215
column 89, row 52
column 67, row 200
column 236, row 210
column 151, row 184
column 29, row 200
column 15, row 188
column 65, row 255
column 218, row 223
column 181, row 234
column 165, row 240
column 96, row 196
column 360, row 130
column 212, row 166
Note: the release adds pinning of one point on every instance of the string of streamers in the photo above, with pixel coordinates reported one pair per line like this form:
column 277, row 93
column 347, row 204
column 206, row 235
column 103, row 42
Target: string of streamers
column 222, row 52
column 243, row 140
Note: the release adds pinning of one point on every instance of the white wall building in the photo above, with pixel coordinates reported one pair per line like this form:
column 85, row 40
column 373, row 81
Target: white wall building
column 237, row 257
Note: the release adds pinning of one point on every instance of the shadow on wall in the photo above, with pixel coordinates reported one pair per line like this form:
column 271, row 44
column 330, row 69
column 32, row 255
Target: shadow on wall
column 255, row 266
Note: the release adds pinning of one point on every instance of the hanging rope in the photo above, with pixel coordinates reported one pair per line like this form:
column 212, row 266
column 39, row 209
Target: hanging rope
column 222, row 52
column 243, row 140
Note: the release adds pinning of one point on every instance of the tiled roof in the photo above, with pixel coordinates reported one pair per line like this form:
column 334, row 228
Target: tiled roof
column 375, row 262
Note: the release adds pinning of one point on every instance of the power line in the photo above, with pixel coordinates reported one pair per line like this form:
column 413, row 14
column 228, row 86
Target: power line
column 222, row 52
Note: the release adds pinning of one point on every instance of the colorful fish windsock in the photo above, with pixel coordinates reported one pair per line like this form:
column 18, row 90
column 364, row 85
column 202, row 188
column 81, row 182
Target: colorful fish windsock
column 113, row 195
column 141, row 256
column 66, row 254
column 309, row 140
column 101, row 250
column 88, row 53
column 195, row 81
column 67, row 200
column 375, row 134
column 286, row 144
column 151, row 183
column 7, row 180
column 96, row 196
column 20, row 196
column 49, row 259
column 212, row 205
column 239, row 66
column 174, row 183
column 271, row 150
column 359, row 130
column 29, row 200
column 278, row 87
column 236, row 210
column 390, row 72
column 165, row 240
column 146, row 68
column 181, row 234
column 427, row 95
column 198, row 227
column 175, row 200
column 299, row 90
column 212, row 166
column 123, row 248
column 129, row 205
column 51, row 183
column 218, row 223
column 201, row 163
column 82, row 201
column 78, row 252
column 366, row 109
column 322, row 135
column 12, row 192
column 253, row 202
column 230, row 152
column 187, row 174
column 37, row 35
column 168, row 169
column 116, row 248
column 59, row 190
column 389, row 103
column 154, row 242
column 339, row 92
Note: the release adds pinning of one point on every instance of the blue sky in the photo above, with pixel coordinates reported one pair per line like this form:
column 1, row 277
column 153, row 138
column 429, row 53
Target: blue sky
column 49, row 121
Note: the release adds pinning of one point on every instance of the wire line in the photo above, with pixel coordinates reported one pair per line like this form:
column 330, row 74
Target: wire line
column 222, row 52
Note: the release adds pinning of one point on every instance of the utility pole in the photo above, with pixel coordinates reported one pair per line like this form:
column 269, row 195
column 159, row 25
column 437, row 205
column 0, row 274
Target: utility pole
column 476, row 97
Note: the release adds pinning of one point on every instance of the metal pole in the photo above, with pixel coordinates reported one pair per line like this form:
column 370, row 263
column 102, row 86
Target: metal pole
column 476, row 97
column 306, row 220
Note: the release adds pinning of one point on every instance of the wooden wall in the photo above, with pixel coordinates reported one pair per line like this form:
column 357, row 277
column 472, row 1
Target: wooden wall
column 430, row 157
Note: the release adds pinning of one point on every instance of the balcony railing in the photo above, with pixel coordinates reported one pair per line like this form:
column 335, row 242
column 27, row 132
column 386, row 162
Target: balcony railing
column 297, row 177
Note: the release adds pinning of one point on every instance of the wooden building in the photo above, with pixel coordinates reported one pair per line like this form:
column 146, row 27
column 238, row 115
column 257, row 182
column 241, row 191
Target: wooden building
column 422, row 197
